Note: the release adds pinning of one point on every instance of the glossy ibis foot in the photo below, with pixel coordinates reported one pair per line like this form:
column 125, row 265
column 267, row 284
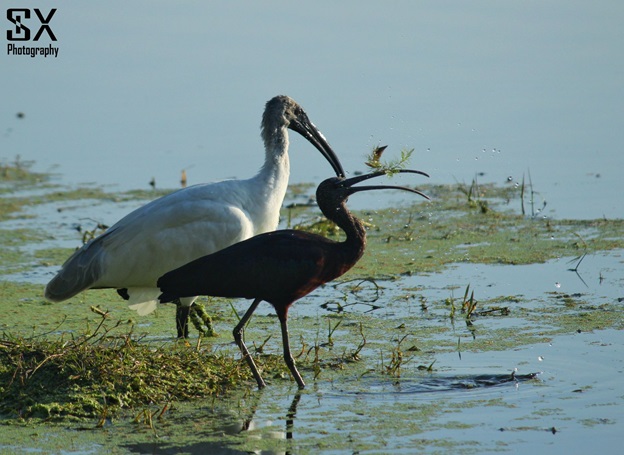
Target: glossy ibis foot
column 182, row 317
column 290, row 363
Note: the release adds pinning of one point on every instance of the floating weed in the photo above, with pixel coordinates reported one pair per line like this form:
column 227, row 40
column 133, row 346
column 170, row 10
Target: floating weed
column 450, row 301
column 468, row 304
column 331, row 330
column 19, row 171
column 474, row 197
column 532, row 194
column 90, row 234
column 468, row 308
column 579, row 259
column 427, row 368
column 321, row 226
column 355, row 355
column 316, row 364
column 361, row 295
column 260, row 349
column 393, row 368
column 373, row 160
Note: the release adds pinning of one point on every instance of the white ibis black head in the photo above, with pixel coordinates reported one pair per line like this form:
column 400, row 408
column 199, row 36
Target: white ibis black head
column 190, row 223
column 282, row 266
column 282, row 111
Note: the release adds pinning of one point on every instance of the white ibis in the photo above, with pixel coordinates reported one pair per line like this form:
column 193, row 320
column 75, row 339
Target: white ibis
column 189, row 223
column 279, row 267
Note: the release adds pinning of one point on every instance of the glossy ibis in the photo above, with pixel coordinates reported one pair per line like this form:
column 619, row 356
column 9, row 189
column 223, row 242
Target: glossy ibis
column 279, row 267
column 189, row 223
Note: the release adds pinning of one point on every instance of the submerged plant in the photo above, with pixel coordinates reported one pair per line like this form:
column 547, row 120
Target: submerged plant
column 18, row 170
column 396, row 360
column 468, row 304
column 468, row 308
column 331, row 330
column 473, row 196
column 355, row 355
column 532, row 194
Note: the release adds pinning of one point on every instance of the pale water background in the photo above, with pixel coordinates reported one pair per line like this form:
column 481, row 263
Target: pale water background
column 144, row 89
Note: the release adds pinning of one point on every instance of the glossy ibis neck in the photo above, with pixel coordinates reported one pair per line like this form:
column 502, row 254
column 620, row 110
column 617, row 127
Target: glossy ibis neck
column 335, row 209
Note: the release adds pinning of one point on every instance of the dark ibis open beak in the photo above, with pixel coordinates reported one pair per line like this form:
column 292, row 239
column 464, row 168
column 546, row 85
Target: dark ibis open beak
column 302, row 125
column 348, row 183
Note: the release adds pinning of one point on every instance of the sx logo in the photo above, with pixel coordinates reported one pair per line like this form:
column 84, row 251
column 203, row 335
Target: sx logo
column 21, row 32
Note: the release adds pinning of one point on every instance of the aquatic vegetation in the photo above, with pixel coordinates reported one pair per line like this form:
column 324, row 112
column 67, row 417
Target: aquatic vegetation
column 18, row 171
column 426, row 237
column 374, row 162
column 64, row 361
column 103, row 371
column 397, row 360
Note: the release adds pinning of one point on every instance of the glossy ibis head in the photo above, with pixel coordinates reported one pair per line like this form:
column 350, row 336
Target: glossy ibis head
column 282, row 111
column 336, row 190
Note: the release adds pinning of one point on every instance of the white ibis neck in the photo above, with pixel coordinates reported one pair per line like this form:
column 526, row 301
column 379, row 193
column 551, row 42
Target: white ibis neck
column 269, row 185
column 276, row 168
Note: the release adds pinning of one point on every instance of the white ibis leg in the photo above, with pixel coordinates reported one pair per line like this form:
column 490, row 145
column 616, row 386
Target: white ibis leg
column 288, row 358
column 182, row 317
column 238, row 338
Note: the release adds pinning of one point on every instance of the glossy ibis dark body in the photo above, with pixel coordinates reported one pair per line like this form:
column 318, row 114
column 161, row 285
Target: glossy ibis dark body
column 279, row 267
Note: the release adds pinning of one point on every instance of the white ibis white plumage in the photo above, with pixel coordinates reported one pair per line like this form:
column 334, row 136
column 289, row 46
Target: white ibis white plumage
column 189, row 223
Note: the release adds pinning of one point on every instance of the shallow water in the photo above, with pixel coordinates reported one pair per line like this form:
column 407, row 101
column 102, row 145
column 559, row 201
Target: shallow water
column 467, row 403
column 488, row 90
column 562, row 323
column 574, row 406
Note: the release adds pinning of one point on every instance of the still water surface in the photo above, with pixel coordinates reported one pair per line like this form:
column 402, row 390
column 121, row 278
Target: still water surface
column 145, row 89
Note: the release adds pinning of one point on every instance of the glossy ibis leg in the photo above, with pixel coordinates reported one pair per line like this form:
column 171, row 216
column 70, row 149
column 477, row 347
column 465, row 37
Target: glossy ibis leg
column 288, row 358
column 182, row 317
column 238, row 338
